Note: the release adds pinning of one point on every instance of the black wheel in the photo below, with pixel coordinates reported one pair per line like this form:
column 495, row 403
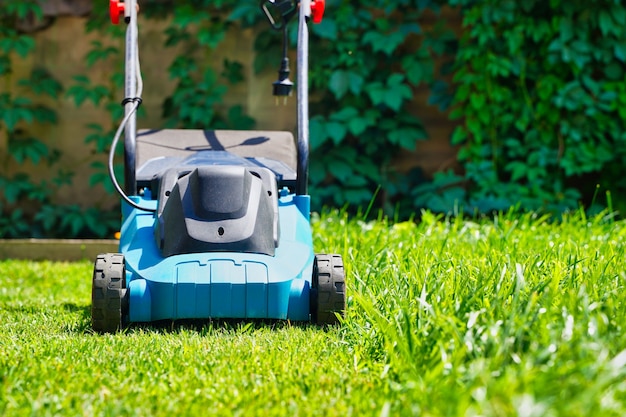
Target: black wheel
column 109, row 303
column 328, row 289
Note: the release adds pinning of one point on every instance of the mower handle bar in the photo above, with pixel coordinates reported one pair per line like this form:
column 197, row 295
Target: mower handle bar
column 131, row 97
column 131, row 62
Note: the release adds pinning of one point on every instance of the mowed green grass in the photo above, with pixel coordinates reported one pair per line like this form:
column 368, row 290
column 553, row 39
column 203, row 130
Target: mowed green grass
column 516, row 315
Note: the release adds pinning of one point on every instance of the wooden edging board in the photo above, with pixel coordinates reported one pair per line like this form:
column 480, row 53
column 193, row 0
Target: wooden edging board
column 56, row 249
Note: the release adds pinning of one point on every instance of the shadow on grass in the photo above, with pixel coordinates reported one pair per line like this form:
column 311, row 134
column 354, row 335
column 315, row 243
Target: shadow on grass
column 76, row 320
column 71, row 318
column 211, row 326
column 73, row 308
column 81, row 323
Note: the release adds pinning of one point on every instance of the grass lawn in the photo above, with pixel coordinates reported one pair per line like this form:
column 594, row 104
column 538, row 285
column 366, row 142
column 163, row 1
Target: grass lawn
column 509, row 316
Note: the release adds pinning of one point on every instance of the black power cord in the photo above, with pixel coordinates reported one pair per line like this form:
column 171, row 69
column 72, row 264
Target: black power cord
column 283, row 87
column 278, row 13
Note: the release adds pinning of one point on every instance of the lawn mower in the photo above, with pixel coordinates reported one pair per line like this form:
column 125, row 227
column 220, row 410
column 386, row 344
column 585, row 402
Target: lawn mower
column 216, row 223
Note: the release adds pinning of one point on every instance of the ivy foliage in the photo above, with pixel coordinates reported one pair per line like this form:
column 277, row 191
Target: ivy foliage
column 541, row 97
column 367, row 60
column 200, row 26
column 366, row 63
column 536, row 88
column 26, row 203
column 28, row 206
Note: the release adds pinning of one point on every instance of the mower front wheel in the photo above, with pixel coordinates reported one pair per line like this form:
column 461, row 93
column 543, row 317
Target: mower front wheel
column 109, row 301
column 328, row 289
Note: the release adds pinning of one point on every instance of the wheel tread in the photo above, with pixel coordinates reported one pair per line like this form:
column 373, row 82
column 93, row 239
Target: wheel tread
column 328, row 297
column 109, row 295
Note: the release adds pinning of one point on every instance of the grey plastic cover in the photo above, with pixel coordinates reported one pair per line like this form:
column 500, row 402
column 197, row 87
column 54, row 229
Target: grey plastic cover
column 217, row 208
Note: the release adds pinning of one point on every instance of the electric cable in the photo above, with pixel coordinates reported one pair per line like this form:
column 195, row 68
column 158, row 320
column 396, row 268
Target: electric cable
column 136, row 102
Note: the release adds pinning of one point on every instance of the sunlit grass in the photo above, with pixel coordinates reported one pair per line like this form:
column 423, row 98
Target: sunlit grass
column 516, row 315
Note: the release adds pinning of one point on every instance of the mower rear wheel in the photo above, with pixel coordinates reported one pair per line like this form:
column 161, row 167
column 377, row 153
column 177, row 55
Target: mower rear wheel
column 328, row 289
column 109, row 301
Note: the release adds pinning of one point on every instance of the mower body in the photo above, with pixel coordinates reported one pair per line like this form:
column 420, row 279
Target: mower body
column 215, row 224
column 228, row 238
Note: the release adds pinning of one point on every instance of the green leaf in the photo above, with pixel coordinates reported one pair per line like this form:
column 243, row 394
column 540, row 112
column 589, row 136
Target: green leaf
column 317, row 132
column 439, row 95
column 211, row 37
column 341, row 171
column 339, row 83
column 327, row 29
column 22, row 9
column 410, row 28
column 458, row 136
column 93, row 222
column 355, row 82
column 358, row 125
column 417, row 69
column 23, row 149
column 393, row 94
column 16, row 187
column 358, row 196
column 48, row 216
column 248, row 13
column 336, row 131
column 22, row 45
column 345, row 114
column 397, row 92
column 317, row 171
column 406, row 137
column 5, row 65
column 376, row 91
column 620, row 51
column 182, row 67
column 42, row 82
column 44, row 114
column 78, row 93
column 238, row 119
column 477, row 101
column 233, row 71
column 17, row 111
column 619, row 15
column 605, row 22
column 73, row 220
column 186, row 14
column 566, row 31
column 84, row 90
column 355, row 181
column 100, row 53
column 386, row 43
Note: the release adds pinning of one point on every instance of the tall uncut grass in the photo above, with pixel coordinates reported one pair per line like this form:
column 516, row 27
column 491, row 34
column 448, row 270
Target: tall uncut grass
column 515, row 315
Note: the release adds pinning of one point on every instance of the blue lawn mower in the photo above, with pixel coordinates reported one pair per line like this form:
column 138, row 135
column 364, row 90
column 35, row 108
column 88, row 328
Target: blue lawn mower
column 215, row 224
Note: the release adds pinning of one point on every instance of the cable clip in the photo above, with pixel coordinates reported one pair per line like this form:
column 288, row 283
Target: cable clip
column 132, row 100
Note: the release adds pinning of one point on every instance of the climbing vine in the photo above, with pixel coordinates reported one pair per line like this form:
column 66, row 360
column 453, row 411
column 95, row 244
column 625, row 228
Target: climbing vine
column 367, row 60
column 537, row 91
column 25, row 200
column 197, row 101
column 541, row 97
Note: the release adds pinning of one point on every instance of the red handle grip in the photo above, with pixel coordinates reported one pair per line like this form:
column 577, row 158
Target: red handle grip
column 116, row 9
column 317, row 10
